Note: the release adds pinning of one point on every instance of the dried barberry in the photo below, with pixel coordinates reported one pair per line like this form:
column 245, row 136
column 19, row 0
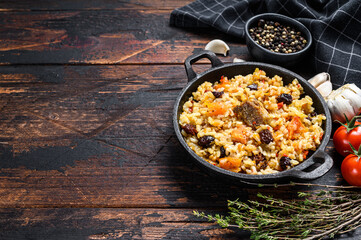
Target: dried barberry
column 266, row 136
column 205, row 141
column 285, row 98
column 190, row 129
column 285, row 162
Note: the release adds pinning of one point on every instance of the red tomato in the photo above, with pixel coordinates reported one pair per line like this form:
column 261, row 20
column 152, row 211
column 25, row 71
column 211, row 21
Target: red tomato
column 342, row 138
column 351, row 170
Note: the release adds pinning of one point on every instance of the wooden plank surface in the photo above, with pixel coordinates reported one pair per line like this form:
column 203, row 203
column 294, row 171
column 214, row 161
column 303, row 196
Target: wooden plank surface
column 97, row 224
column 101, row 37
column 87, row 147
column 86, row 5
column 110, row 223
column 98, row 136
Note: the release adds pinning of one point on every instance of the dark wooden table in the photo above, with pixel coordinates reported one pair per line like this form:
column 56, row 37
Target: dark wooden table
column 87, row 145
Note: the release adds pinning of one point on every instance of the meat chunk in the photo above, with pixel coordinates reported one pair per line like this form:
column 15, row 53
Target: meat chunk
column 251, row 113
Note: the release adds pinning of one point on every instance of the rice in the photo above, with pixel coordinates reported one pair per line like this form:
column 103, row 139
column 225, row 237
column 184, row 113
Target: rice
column 230, row 143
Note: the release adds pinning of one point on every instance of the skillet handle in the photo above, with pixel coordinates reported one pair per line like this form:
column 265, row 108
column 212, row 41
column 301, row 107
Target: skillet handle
column 321, row 157
column 191, row 74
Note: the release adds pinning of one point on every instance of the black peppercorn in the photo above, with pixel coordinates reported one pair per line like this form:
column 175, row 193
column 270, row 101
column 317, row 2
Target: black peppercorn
column 277, row 38
column 261, row 23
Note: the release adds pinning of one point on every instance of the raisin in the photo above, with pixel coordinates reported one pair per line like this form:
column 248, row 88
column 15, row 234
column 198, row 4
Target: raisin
column 285, row 162
column 253, row 86
column 262, row 165
column 313, row 114
column 223, row 152
column 260, row 160
column 285, row 98
column 205, row 141
column 266, row 136
column 190, row 129
column 217, row 94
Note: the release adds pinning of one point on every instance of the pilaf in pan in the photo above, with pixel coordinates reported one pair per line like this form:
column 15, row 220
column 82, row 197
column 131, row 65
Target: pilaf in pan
column 251, row 124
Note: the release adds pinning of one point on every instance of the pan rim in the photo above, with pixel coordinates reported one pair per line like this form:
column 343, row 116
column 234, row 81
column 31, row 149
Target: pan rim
column 244, row 176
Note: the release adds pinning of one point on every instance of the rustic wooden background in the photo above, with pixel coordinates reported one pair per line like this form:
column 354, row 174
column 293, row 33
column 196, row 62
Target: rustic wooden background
column 87, row 147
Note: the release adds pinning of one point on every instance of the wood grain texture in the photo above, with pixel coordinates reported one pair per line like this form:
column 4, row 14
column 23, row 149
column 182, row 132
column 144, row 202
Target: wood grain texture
column 100, row 136
column 108, row 223
column 87, row 146
column 85, row 5
column 97, row 224
column 101, row 37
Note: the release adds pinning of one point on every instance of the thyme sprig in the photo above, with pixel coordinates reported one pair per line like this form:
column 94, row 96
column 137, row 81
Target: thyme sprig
column 315, row 214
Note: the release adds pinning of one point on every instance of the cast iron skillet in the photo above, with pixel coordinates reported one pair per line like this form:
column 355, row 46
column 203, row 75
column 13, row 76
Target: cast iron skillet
column 314, row 167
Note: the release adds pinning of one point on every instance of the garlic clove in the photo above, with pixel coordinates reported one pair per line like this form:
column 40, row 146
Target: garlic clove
column 319, row 79
column 356, row 103
column 238, row 60
column 217, row 46
column 354, row 88
column 325, row 88
column 344, row 100
column 353, row 98
column 340, row 106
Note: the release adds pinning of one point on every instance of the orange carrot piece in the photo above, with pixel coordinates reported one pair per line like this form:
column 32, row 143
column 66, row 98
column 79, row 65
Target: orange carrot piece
column 230, row 163
column 223, row 83
column 238, row 135
column 305, row 154
column 216, row 108
column 294, row 126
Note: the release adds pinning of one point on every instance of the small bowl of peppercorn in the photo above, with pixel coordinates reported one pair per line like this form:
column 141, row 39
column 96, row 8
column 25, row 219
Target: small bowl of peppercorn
column 277, row 39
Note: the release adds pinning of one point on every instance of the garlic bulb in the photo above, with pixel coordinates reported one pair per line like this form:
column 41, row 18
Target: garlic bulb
column 322, row 82
column 344, row 100
column 217, row 46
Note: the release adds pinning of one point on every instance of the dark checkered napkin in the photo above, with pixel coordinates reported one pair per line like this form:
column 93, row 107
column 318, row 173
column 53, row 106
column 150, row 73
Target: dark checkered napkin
column 335, row 26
